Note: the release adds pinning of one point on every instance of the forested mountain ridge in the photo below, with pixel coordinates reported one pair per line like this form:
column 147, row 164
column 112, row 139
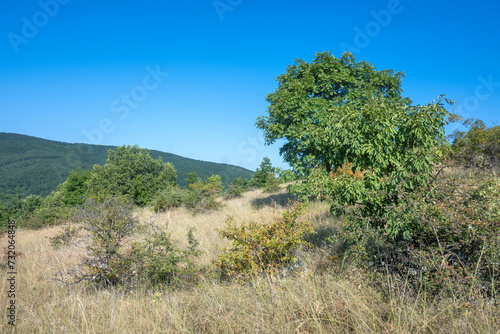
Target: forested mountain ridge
column 31, row 165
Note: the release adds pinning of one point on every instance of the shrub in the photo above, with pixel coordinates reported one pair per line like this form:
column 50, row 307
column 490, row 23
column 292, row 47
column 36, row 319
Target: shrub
column 66, row 237
column 108, row 226
column 478, row 147
column 31, row 203
column 201, row 197
column 285, row 175
column 160, row 259
column 169, row 198
column 48, row 216
column 133, row 173
column 192, row 178
column 272, row 184
column 236, row 188
column 263, row 248
column 74, row 189
column 447, row 239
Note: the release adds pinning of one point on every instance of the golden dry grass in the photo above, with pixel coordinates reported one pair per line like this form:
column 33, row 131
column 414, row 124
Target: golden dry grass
column 325, row 298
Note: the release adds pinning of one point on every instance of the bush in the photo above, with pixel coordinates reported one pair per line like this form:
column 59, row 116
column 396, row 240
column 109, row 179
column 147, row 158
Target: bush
column 479, row 147
column 272, row 184
column 201, row 197
column 108, row 226
column 35, row 212
column 263, row 248
column 160, row 259
column 451, row 245
column 133, row 173
column 285, row 175
column 169, row 198
column 236, row 188
column 31, row 203
column 74, row 189
column 66, row 237
column 48, row 216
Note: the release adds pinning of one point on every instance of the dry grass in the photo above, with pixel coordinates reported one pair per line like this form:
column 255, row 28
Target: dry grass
column 326, row 298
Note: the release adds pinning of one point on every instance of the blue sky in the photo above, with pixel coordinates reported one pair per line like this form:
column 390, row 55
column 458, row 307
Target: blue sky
column 191, row 77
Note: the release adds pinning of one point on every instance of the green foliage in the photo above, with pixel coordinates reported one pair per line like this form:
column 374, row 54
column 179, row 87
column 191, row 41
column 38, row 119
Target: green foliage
column 34, row 212
column 285, row 175
column 31, row 203
column 478, row 147
column 108, row 227
column 263, row 248
column 319, row 107
column 192, row 178
column 133, row 173
column 160, row 258
column 201, row 197
column 260, row 177
column 169, row 198
column 272, row 184
column 236, row 188
column 74, row 189
column 451, row 242
column 30, row 165
column 336, row 114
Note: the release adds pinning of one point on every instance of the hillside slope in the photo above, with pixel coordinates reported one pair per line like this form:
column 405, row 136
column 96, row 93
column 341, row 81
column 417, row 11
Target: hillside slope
column 30, row 165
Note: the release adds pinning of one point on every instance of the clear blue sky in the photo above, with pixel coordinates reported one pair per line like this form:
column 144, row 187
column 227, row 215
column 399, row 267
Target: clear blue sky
column 190, row 77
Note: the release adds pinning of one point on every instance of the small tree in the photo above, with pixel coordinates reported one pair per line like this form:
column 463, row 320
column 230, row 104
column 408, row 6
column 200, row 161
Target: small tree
column 133, row 173
column 202, row 196
column 110, row 225
column 285, row 175
column 168, row 198
column 272, row 184
column 152, row 257
column 260, row 177
column 31, row 203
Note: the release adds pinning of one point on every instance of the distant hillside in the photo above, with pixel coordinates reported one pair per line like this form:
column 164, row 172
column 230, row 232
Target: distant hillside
column 30, row 165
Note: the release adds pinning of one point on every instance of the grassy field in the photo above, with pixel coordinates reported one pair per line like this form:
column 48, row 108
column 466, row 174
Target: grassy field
column 327, row 296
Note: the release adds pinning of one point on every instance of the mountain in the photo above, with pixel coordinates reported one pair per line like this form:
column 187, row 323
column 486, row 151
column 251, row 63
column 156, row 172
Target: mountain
column 30, row 165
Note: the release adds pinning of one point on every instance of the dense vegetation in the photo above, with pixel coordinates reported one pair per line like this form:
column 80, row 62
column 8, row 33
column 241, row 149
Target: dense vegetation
column 132, row 175
column 391, row 229
column 30, row 165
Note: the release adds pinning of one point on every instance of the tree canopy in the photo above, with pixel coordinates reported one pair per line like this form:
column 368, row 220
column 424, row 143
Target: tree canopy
column 133, row 173
column 336, row 112
column 262, row 173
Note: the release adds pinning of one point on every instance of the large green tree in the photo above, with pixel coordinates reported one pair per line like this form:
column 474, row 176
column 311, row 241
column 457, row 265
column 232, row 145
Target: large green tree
column 133, row 173
column 336, row 112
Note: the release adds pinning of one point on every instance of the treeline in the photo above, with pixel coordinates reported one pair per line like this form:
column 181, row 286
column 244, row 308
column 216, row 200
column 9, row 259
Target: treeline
column 30, row 165
column 133, row 176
